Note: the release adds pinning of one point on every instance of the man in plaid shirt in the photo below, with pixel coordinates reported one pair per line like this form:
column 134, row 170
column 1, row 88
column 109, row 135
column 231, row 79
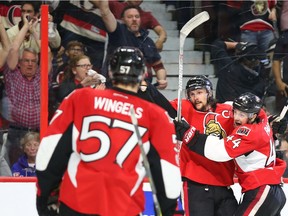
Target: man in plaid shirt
column 22, row 85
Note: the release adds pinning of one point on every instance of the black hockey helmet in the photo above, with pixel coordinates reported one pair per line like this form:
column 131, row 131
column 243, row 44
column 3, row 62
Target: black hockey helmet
column 127, row 65
column 248, row 103
column 199, row 82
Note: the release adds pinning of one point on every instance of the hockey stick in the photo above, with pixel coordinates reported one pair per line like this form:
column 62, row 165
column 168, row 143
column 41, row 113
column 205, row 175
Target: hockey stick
column 282, row 114
column 145, row 162
column 184, row 32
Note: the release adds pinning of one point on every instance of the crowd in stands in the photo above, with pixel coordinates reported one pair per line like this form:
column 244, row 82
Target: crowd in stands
column 84, row 34
column 77, row 37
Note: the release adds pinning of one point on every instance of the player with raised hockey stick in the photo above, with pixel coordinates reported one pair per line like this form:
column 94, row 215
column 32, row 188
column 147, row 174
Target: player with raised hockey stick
column 251, row 147
column 206, row 184
column 91, row 149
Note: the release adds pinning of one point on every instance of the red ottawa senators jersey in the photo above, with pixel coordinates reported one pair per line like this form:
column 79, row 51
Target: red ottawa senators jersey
column 253, row 150
column 92, row 143
column 195, row 166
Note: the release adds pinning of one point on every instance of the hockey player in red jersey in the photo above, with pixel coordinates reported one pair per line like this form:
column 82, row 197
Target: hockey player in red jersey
column 90, row 148
column 206, row 184
column 251, row 145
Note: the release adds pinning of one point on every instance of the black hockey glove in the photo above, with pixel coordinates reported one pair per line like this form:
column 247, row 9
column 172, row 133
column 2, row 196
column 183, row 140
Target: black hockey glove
column 279, row 127
column 184, row 132
column 181, row 128
column 45, row 209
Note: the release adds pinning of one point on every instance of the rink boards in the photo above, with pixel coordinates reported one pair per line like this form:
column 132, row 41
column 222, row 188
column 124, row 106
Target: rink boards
column 18, row 196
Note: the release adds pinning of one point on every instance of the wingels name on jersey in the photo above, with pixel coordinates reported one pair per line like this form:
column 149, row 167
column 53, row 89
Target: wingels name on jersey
column 116, row 106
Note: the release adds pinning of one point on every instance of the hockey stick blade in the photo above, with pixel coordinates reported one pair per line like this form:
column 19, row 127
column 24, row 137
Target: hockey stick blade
column 184, row 32
column 194, row 22
column 145, row 162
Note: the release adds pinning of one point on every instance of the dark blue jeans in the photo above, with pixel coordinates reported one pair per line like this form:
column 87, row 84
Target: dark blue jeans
column 261, row 38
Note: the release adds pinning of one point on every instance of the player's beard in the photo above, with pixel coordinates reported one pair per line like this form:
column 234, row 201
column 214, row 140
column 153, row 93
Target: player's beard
column 200, row 106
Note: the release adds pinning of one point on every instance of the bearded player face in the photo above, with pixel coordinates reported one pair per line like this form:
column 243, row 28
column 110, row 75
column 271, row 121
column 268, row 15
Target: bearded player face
column 199, row 99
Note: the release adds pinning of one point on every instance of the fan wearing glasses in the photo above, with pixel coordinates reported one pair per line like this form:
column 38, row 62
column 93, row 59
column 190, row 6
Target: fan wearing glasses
column 78, row 75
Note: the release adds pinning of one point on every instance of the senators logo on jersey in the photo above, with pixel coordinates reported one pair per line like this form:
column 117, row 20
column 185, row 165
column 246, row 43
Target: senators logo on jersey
column 212, row 126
